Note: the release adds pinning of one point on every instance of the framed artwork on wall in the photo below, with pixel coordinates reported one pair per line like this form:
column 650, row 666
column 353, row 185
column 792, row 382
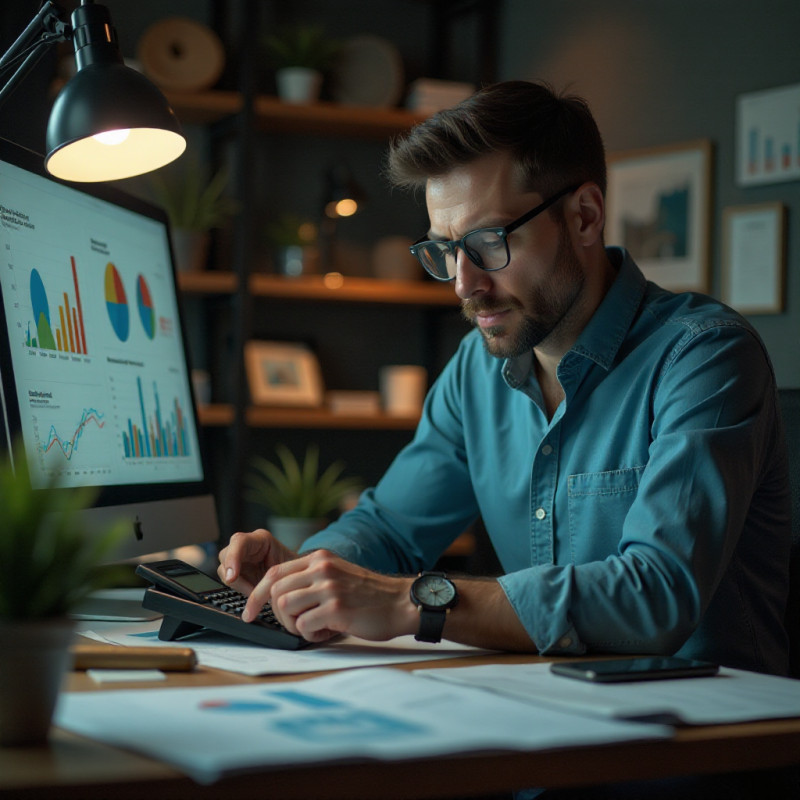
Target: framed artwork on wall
column 283, row 374
column 754, row 257
column 767, row 133
column 659, row 209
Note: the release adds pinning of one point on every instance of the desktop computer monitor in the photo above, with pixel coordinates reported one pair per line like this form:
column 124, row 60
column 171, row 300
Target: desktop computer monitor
column 93, row 356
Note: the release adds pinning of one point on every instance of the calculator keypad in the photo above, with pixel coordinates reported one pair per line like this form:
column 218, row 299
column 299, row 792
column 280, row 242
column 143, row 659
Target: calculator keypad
column 233, row 602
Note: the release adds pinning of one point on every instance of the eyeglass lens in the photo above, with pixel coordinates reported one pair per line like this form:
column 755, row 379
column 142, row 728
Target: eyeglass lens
column 486, row 248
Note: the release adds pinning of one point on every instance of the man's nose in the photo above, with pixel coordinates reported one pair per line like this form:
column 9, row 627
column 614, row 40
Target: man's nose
column 470, row 278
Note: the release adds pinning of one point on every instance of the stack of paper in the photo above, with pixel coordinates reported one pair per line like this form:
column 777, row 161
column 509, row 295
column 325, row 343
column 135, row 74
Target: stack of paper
column 379, row 713
column 731, row 696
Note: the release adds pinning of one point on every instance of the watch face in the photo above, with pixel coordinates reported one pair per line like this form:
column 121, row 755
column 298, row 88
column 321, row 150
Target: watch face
column 435, row 591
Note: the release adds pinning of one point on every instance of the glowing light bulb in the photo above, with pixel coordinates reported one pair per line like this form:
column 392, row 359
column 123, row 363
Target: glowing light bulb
column 112, row 137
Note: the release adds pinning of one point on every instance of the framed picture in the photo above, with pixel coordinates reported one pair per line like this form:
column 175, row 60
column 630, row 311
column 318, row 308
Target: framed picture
column 284, row 374
column 754, row 257
column 659, row 209
column 767, row 136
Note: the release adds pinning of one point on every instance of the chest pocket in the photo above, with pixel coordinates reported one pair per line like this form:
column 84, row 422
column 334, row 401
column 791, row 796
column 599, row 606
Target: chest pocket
column 598, row 503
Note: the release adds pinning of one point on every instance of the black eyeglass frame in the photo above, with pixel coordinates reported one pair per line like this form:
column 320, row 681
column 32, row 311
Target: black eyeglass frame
column 501, row 231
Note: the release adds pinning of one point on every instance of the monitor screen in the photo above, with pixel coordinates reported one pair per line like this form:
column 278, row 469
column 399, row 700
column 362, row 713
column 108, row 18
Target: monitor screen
column 93, row 358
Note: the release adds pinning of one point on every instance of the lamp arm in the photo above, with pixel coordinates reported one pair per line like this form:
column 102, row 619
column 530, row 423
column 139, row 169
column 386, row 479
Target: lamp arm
column 49, row 28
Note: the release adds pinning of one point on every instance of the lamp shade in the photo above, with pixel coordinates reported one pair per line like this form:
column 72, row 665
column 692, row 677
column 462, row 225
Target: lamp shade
column 110, row 122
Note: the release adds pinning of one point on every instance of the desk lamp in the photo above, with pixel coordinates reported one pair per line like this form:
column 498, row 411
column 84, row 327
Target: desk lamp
column 109, row 121
column 341, row 198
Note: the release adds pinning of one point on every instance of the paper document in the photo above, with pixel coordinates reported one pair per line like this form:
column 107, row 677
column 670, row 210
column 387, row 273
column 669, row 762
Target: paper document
column 731, row 696
column 236, row 655
column 378, row 713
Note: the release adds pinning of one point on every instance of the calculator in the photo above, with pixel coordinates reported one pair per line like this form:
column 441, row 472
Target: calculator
column 191, row 601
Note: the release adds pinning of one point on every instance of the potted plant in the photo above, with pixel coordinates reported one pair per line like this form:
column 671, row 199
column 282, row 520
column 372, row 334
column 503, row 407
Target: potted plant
column 194, row 204
column 300, row 55
column 293, row 242
column 47, row 566
column 299, row 499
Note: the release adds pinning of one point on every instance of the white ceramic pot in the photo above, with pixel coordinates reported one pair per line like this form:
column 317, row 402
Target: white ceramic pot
column 293, row 531
column 298, row 84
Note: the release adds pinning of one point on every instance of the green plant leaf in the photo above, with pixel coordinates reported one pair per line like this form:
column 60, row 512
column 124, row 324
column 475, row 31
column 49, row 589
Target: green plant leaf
column 301, row 46
column 48, row 560
column 294, row 489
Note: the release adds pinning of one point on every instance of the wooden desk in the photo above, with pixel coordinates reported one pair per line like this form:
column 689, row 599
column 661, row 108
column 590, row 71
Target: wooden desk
column 72, row 767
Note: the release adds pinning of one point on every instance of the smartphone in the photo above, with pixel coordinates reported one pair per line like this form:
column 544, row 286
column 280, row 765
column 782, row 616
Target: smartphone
column 644, row 668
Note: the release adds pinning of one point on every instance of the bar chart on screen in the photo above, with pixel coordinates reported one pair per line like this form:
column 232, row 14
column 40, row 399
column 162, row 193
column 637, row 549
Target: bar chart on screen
column 50, row 312
column 153, row 430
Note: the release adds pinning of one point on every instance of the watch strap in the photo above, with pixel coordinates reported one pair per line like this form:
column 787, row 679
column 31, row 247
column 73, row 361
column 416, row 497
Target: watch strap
column 431, row 625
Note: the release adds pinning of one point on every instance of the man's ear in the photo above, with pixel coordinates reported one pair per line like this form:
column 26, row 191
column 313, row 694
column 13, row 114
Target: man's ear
column 588, row 214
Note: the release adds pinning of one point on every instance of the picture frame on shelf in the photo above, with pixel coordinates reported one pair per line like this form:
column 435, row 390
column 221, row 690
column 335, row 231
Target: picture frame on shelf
column 754, row 257
column 283, row 374
column 659, row 209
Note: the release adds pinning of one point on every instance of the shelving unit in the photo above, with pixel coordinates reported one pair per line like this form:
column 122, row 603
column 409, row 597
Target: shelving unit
column 235, row 425
column 322, row 119
column 270, row 114
column 333, row 287
column 329, row 289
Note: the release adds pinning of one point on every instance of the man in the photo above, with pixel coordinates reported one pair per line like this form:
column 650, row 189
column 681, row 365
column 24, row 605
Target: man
column 621, row 443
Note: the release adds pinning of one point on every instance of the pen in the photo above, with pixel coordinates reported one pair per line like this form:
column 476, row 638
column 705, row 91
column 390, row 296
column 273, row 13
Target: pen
column 109, row 656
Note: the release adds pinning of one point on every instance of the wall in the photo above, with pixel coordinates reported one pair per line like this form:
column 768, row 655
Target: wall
column 665, row 71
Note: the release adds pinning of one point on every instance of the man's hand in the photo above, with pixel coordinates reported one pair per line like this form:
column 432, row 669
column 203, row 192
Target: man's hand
column 248, row 556
column 319, row 595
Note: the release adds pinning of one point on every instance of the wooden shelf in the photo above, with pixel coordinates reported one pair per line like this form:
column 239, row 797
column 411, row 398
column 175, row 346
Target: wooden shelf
column 222, row 415
column 271, row 114
column 328, row 288
column 215, row 415
column 207, row 282
column 261, row 417
column 336, row 288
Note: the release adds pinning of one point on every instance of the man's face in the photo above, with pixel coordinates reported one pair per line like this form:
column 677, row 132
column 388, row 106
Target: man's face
column 530, row 302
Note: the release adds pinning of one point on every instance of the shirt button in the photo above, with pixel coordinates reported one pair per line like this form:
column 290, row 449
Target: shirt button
column 540, row 513
column 546, row 450
column 565, row 642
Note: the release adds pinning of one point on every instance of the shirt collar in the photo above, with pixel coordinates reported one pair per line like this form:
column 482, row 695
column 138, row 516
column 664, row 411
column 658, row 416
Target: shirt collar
column 602, row 337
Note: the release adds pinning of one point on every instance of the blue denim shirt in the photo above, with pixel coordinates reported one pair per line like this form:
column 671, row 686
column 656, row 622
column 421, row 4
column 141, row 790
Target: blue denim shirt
column 651, row 514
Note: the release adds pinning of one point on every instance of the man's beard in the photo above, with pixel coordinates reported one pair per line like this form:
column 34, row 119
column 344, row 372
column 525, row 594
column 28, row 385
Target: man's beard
column 551, row 302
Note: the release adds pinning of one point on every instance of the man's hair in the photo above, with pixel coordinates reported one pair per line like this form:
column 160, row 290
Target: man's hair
column 553, row 138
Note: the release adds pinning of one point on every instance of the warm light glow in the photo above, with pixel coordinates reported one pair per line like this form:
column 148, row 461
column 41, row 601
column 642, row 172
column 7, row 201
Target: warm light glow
column 144, row 150
column 346, row 207
column 341, row 208
column 333, row 280
column 112, row 137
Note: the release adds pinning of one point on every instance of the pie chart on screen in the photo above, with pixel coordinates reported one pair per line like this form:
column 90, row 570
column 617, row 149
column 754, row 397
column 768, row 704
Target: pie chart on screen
column 144, row 303
column 117, row 303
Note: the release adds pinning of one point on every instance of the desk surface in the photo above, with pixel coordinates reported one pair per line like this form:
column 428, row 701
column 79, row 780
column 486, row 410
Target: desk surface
column 70, row 766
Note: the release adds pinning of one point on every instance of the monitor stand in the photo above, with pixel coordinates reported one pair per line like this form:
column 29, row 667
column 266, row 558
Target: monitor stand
column 114, row 605
column 122, row 602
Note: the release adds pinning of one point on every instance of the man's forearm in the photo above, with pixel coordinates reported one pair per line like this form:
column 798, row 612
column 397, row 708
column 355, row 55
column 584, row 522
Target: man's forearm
column 485, row 618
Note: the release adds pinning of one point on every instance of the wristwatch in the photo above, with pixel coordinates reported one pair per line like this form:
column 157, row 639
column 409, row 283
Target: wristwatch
column 434, row 594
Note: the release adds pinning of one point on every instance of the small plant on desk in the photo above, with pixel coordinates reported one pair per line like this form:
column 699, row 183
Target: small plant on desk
column 49, row 562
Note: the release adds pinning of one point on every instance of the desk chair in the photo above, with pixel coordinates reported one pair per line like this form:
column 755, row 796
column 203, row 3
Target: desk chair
column 790, row 409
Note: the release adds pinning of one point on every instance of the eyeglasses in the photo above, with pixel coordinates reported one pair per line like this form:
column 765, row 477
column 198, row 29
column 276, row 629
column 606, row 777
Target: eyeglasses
column 487, row 248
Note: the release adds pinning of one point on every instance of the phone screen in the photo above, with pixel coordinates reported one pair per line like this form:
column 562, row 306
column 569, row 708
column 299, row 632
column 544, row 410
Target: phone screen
column 642, row 668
